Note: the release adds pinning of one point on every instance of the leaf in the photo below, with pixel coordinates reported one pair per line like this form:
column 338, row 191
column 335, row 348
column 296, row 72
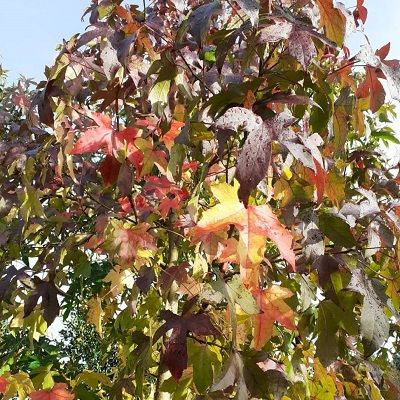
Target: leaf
column 200, row 20
column 3, row 384
column 173, row 132
column 302, row 48
column 232, row 373
column 251, row 8
column 202, row 367
column 313, row 241
column 337, row 230
column 19, row 385
column 96, row 138
column 273, row 308
column 255, row 156
column 371, row 88
column 253, row 161
column 333, row 21
column 92, row 379
column 129, row 243
column 241, row 296
column 281, row 29
column 327, row 341
column 361, row 12
column 109, row 170
column 340, row 128
column 374, row 322
column 175, row 355
column 254, row 223
column 95, row 314
column 58, row 392
column 49, row 305
column 119, row 278
column 103, row 137
column 335, row 187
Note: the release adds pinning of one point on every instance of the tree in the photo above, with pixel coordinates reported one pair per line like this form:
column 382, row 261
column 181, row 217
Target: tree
column 207, row 181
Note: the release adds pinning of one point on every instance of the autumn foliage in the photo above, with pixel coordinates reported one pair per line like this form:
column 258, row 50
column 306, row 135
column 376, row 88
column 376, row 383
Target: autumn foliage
column 206, row 182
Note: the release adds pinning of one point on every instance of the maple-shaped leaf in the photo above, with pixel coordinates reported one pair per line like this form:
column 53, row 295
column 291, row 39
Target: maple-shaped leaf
column 255, row 224
column 255, row 155
column 150, row 157
column 103, row 137
column 273, row 308
column 169, row 194
column 119, row 278
column 176, row 356
column 379, row 67
column 333, row 21
column 97, row 137
column 58, row 392
column 129, row 243
column 3, row 384
column 50, row 306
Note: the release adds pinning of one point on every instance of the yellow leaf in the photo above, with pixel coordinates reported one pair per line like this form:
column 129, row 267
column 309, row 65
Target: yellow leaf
column 334, row 188
column 119, row 278
column 254, row 223
column 95, row 314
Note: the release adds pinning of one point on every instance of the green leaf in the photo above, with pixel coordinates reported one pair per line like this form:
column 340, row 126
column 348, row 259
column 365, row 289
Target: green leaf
column 385, row 135
column 202, row 359
column 337, row 230
column 327, row 342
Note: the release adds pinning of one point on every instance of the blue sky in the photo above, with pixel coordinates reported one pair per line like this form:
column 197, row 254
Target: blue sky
column 31, row 29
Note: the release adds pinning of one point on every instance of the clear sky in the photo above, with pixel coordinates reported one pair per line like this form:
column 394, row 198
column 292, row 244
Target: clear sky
column 31, row 29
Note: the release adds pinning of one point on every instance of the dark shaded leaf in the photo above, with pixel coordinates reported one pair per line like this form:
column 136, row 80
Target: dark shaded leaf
column 49, row 305
column 176, row 356
column 337, row 230
column 200, row 20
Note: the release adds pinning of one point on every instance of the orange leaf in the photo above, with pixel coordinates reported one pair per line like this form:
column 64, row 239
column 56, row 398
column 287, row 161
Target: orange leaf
column 254, row 223
column 333, row 21
column 273, row 308
column 58, row 392
column 170, row 136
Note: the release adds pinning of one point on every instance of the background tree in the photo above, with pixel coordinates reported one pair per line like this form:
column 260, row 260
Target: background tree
column 206, row 181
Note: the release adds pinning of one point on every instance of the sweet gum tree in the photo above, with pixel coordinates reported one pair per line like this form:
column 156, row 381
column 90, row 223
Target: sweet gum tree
column 203, row 183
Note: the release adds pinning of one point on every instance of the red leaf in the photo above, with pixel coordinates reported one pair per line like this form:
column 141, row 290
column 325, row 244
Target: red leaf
column 96, row 138
column 254, row 223
column 362, row 11
column 58, row 392
column 109, row 170
column 383, row 52
column 373, row 88
column 319, row 179
column 127, row 242
column 3, row 384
